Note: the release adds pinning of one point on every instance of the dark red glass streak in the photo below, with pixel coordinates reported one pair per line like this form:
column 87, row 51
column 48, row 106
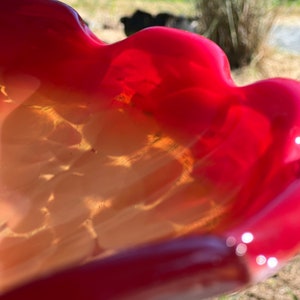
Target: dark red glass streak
column 247, row 135
column 169, row 268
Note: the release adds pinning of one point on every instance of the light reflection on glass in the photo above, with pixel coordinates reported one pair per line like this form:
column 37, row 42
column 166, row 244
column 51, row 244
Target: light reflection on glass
column 261, row 260
column 272, row 262
column 297, row 140
column 247, row 237
column 241, row 249
column 230, row 241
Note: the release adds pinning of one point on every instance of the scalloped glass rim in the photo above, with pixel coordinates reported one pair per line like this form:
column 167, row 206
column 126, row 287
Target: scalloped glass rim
column 141, row 156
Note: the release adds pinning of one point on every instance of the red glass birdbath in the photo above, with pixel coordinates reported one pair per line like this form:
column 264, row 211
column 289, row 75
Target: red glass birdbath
column 138, row 170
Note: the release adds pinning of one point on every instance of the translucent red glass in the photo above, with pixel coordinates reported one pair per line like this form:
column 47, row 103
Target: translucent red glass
column 137, row 170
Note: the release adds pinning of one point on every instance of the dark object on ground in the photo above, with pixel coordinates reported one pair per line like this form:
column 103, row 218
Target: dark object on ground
column 141, row 19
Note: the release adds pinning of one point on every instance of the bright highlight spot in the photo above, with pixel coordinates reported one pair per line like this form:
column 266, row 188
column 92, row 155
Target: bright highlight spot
column 230, row 241
column 261, row 260
column 247, row 237
column 297, row 140
column 241, row 249
column 272, row 262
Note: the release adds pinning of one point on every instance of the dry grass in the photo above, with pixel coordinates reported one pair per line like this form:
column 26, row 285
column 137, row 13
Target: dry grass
column 239, row 27
column 267, row 63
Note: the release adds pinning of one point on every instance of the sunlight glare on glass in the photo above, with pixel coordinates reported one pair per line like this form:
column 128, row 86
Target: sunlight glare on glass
column 230, row 241
column 241, row 249
column 297, row 140
column 247, row 237
column 261, row 260
column 272, row 262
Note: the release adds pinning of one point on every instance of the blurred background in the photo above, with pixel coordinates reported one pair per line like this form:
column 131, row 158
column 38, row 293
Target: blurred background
column 261, row 39
column 259, row 35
